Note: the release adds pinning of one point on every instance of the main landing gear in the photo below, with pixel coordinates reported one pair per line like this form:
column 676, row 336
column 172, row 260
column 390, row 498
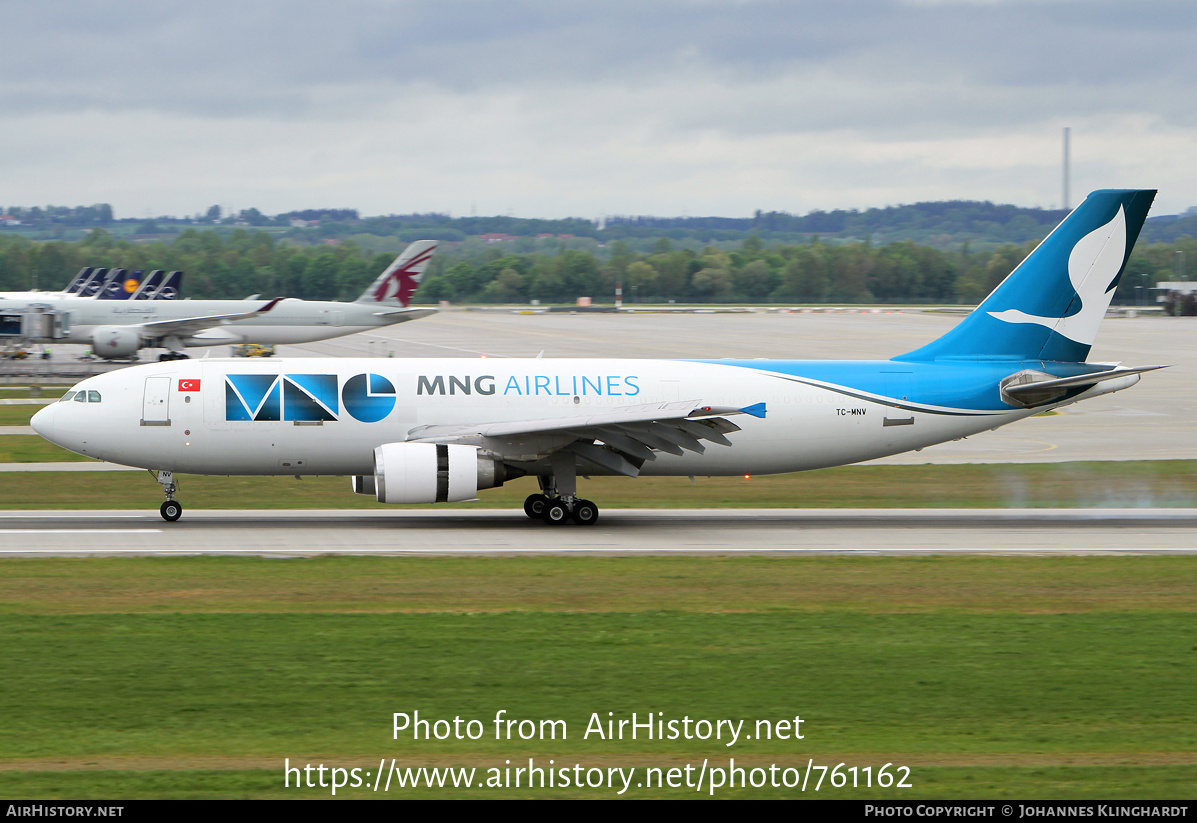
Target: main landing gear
column 174, row 349
column 557, row 510
column 558, row 500
column 171, row 510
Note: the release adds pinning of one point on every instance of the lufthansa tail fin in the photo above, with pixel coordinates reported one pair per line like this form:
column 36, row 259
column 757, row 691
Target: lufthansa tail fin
column 123, row 286
column 82, row 277
column 397, row 284
column 1049, row 308
column 169, row 288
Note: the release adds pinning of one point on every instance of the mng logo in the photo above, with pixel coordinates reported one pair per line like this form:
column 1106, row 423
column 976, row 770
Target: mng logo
column 368, row 397
column 306, row 397
column 269, row 397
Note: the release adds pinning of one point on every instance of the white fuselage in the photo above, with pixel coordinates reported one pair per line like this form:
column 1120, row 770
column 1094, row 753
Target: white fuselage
column 182, row 416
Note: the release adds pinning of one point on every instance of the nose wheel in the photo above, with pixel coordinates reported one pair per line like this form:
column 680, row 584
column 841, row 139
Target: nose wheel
column 171, row 511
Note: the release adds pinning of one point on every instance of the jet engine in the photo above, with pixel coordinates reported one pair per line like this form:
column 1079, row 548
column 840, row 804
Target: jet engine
column 432, row 473
column 111, row 342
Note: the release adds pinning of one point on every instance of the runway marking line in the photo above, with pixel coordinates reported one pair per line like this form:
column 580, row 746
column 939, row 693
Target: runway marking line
column 80, row 531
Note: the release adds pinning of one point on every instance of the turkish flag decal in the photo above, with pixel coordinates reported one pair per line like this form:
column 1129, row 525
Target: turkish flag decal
column 189, row 385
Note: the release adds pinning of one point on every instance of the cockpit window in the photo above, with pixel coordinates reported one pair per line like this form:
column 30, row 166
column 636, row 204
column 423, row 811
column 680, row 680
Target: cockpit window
column 81, row 397
column 93, row 396
column 66, row 397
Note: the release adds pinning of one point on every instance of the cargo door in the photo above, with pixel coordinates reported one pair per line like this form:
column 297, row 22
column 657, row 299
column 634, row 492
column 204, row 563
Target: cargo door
column 155, row 404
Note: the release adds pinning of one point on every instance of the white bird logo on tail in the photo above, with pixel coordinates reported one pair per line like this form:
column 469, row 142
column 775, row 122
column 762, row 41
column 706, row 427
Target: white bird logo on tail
column 1092, row 266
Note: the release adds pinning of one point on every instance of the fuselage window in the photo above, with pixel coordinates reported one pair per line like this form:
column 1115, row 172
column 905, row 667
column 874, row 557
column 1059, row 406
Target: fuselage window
column 93, row 397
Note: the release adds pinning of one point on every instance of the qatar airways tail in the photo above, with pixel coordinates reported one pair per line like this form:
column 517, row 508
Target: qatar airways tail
column 399, row 281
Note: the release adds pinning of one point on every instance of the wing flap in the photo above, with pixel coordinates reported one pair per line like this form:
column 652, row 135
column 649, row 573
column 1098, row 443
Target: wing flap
column 627, row 414
column 607, row 459
column 629, row 435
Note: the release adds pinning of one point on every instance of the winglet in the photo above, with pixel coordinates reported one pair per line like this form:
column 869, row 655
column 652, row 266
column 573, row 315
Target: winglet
column 756, row 410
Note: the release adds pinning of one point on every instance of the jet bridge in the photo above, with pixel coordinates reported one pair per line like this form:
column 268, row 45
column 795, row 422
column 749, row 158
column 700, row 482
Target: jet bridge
column 39, row 323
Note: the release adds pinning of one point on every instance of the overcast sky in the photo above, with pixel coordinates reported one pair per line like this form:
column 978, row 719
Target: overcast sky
column 561, row 108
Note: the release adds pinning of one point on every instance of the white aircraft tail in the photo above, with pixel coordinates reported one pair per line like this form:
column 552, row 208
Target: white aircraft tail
column 399, row 282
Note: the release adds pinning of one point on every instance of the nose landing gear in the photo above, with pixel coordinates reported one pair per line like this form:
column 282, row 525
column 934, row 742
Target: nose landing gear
column 171, row 510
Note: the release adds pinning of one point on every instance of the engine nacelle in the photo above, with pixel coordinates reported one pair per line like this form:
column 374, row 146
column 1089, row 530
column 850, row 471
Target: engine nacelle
column 431, row 473
column 110, row 342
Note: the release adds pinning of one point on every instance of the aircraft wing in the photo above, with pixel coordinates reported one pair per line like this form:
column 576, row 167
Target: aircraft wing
column 619, row 439
column 188, row 326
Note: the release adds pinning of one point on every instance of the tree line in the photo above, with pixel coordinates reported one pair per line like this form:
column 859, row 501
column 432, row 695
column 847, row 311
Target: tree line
column 245, row 262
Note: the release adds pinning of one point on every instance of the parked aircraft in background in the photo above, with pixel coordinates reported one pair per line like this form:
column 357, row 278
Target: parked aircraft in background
column 424, row 431
column 120, row 284
column 118, row 327
column 111, row 284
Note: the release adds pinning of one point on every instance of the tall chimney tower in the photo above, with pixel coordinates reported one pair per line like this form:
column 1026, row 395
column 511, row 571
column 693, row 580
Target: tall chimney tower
column 1066, row 130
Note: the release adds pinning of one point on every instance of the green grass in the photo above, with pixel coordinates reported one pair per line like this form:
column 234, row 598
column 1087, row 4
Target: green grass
column 23, row 391
column 29, row 448
column 1042, row 485
column 989, row 677
column 17, row 415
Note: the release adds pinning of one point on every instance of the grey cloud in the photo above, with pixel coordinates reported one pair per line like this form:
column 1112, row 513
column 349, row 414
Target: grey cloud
column 618, row 87
column 268, row 54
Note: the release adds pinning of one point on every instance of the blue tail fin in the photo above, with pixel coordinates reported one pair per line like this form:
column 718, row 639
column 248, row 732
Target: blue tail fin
column 122, row 287
column 149, row 285
column 170, row 287
column 82, row 277
column 1049, row 307
column 92, row 286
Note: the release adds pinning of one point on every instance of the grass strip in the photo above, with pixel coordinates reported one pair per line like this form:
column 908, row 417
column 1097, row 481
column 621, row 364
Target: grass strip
column 991, row 677
column 29, row 448
column 713, row 585
column 17, row 416
column 323, row 687
column 1105, row 782
column 1038, row 485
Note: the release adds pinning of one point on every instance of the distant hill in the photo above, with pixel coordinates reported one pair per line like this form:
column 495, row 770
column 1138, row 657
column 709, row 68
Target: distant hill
column 941, row 224
column 933, row 223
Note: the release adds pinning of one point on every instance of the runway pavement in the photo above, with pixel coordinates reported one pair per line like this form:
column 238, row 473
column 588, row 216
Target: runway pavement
column 618, row 532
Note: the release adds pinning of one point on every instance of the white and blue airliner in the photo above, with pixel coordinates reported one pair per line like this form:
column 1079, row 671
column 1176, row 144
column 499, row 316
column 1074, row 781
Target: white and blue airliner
column 436, row 430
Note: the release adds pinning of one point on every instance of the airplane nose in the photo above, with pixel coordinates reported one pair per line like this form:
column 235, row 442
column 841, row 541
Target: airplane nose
column 43, row 422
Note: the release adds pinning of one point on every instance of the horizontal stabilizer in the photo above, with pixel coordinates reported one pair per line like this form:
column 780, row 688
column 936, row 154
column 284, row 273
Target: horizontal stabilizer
column 403, row 315
column 1024, row 389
